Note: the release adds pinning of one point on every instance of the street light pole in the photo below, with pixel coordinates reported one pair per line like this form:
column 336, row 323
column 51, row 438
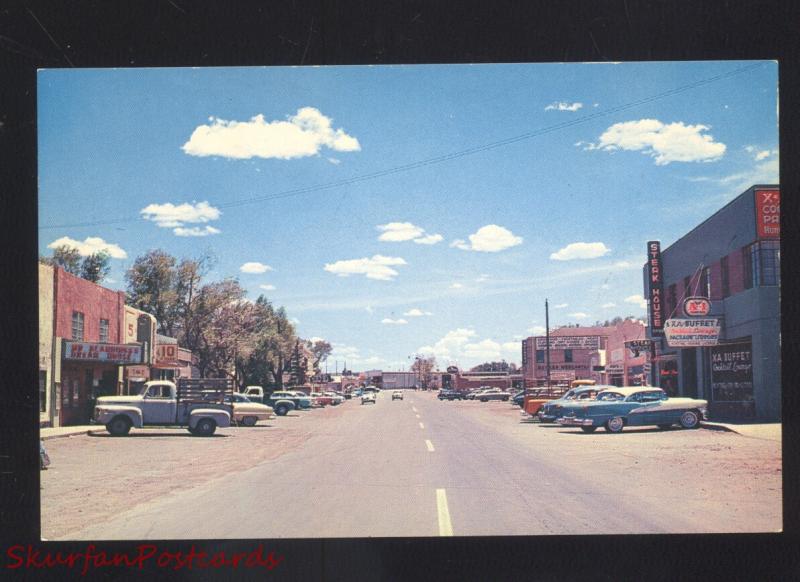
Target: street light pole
column 547, row 339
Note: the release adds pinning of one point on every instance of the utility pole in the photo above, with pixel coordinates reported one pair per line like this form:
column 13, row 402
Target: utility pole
column 547, row 339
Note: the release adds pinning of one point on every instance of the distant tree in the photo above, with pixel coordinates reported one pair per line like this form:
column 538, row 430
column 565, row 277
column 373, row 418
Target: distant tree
column 321, row 350
column 66, row 257
column 423, row 368
column 96, row 267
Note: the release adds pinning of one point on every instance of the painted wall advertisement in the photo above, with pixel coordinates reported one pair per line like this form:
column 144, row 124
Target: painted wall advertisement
column 768, row 213
column 691, row 333
column 732, row 372
column 655, row 283
column 569, row 342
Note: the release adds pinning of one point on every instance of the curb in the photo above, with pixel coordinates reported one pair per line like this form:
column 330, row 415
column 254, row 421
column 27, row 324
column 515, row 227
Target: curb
column 69, row 434
column 716, row 426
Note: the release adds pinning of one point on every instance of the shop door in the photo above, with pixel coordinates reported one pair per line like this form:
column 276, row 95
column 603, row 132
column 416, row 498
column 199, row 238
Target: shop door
column 108, row 384
column 689, row 372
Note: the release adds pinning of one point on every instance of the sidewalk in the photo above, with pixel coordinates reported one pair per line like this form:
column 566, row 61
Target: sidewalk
column 65, row 431
column 767, row 431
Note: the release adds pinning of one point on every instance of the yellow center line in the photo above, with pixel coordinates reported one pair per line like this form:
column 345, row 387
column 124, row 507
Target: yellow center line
column 421, row 425
column 429, row 444
column 445, row 527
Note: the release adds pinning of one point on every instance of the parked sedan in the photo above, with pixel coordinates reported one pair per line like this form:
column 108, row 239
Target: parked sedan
column 550, row 411
column 336, row 398
column 284, row 401
column 246, row 412
column 616, row 408
column 493, row 394
column 321, row 399
column 450, row 395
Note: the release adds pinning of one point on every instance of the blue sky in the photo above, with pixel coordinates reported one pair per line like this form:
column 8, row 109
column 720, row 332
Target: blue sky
column 453, row 258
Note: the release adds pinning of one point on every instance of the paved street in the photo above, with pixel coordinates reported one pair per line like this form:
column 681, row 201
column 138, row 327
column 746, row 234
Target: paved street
column 416, row 467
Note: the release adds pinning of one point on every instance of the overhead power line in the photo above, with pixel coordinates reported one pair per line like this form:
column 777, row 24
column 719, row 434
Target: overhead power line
column 446, row 157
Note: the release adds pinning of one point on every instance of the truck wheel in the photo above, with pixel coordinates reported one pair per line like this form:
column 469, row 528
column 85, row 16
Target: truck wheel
column 249, row 420
column 205, row 427
column 281, row 409
column 119, row 426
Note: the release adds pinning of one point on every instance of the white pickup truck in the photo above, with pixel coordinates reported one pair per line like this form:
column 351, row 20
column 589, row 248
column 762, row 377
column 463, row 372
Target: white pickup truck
column 197, row 404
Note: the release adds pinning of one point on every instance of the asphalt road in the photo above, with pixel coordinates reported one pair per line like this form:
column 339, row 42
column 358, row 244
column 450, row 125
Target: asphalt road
column 421, row 467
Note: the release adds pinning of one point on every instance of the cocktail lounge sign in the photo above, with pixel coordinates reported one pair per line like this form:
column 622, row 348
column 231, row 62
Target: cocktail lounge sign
column 100, row 352
column 692, row 333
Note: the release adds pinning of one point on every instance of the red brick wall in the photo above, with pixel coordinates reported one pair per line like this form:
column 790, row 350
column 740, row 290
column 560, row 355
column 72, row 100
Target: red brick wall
column 95, row 302
column 462, row 383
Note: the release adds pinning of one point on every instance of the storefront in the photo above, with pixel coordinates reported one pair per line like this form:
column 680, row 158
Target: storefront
column 90, row 370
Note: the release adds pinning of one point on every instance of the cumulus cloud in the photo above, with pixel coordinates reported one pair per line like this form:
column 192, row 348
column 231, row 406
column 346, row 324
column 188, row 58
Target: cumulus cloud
column 195, row 231
column 637, row 300
column 405, row 231
column 254, row 268
column 563, row 106
column 416, row 312
column 579, row 315
column 537, row 330
column 581, row 250
column 90, row 246
column 301, row 135
column 664, row 142
column 462, row 344
column 389, row 321
column 609, row 305
column 378, row 267
column 489, row 239
column 267, row 287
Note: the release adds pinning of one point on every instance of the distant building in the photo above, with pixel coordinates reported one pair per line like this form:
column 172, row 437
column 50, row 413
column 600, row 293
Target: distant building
column 594, row 353
column 732, row 259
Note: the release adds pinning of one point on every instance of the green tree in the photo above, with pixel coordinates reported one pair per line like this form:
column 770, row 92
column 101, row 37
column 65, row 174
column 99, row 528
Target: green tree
column 66, row 257
column 96, row 267
column 423, row 368
column 321, row 350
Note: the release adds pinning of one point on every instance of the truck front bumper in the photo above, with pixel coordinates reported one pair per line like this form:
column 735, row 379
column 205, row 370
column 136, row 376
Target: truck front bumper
column 573, row 421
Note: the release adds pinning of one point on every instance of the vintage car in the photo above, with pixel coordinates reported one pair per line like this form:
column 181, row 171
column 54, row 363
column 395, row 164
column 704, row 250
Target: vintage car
column 368, row 398
column 254, row 393
column 615, row 408
column 551, row 410
column 397, row 394
column 336, row 398
column 320, row 399
column 493, row 394
column 246, row 412
column 538, row 397
column 283, row 401
column 450, row 395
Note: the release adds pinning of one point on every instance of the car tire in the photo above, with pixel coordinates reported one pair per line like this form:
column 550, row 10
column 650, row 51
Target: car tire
column 484, row 400
column 249, row 420
column 119, row 426
column 665, row 426
column 205, row 427
column 690, row 419
column 505, row 399
column 588, row 429
column 281, row 409
column 615, row 424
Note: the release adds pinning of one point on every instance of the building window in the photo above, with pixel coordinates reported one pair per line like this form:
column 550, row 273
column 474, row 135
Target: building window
column 77, row 326
column 539, row 356
column 726, row 282
column 568, row 356
column 747, row 267
column 672, row 300
column 769, row 263
column 705, row 283
column 104, row 331
column 42, row 391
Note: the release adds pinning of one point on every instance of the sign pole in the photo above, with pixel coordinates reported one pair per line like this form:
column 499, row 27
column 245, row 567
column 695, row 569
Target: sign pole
column 547, row 339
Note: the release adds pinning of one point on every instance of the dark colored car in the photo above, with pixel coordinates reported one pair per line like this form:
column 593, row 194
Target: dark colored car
column 450, row 395
column 550, row 411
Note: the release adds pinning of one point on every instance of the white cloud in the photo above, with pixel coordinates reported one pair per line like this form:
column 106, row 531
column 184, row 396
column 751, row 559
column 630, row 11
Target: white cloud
column 456, row 286
column 489, row 239
column 175, row 216
column 537, row 330
column 581, row 250
column 195, row 231
column 303, row 134
column 416, row 312
column 622, row 264
column 609, row 305
column 378, row 267
column 316, row 339
column 254, row 268
column 451, row 345
column 430, row 239
column 673, row 142
column 579, row 315
column 267, row 287
column 637, row 300
column 462, row 344
column 90, row 246
column 762, row 155
column 561, row 306
column 563, row 106
column 335, row 161
column 294, row 320
column 405, row 231
column 394, row 321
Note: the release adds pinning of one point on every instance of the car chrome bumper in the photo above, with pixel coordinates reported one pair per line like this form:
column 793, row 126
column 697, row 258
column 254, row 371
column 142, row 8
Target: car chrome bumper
column 572, row 421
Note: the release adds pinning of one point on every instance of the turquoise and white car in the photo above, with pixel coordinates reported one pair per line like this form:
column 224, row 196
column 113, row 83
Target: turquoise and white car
column 616, row 408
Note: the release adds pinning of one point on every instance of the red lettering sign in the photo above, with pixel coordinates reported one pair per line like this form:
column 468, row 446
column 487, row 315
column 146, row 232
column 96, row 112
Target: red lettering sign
column 768, row 213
